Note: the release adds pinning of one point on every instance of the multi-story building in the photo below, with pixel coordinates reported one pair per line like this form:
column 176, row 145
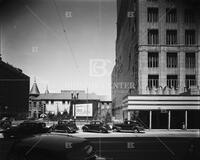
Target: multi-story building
column 14, row 91
column 157, row 48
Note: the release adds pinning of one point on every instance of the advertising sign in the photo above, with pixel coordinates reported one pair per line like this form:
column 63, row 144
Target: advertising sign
column 84, row 110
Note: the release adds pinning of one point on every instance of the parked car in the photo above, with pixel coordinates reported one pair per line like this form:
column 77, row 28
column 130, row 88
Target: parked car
column 26, row 128
column 49, row 146
column 68, row 126
column 5, row 123
column 128, row 126
column 96, row 126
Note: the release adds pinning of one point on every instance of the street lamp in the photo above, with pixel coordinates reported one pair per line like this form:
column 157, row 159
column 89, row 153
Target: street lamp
column 6, row 107
column 74, row 98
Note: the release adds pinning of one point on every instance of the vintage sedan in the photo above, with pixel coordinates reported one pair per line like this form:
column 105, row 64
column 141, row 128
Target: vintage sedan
column 5, row 123
column 96, row 126
column 26, row 128
column 48, row 146
column 68, row 126
column 128, row 126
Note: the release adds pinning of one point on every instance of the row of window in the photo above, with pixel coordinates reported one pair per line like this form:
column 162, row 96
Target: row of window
column 172, row 81
column 52, row 102
column 171, row 37
column 171, row 60
column 157, row 0
column 171, row 15
column 47, row 102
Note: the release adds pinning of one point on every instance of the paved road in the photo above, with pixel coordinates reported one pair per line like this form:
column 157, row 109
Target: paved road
column 148, row 133
column 154, row 144
column 147, row 148
column 157, row 145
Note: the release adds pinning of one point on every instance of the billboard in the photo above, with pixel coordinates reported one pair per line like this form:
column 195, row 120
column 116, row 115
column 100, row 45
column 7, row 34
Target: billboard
column 84, row 110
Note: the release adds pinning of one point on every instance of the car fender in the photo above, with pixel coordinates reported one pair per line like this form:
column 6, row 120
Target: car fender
column 85, row 128
column 118, row 128
column 52, row 146
column 103, row 129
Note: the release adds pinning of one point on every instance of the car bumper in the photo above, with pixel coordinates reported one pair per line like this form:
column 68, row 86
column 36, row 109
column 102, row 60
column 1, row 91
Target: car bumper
column 95, row 157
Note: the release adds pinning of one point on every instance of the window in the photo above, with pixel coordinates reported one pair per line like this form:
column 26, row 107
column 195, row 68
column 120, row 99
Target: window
column 172, row 60
column 153, row 36
column 153, row 81
column 152, row 14
column 189, row 16
column 152, row 59
column 34, row 104
column 190, row 60
column 51, row 102
column 63, row 102
column 172, row 81
column 171, row 37
column 190, row 37
column 190, row 80
column 171, row 15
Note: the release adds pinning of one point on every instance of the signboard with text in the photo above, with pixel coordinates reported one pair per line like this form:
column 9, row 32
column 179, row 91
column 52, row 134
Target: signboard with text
column 84, row 110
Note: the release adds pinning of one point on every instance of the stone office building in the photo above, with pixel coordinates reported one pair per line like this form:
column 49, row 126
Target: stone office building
column 157, row 48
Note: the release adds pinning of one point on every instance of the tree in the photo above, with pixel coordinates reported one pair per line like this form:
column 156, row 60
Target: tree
column 108, row 117
column 59, row 116
column 65, row 114
column 51, row 116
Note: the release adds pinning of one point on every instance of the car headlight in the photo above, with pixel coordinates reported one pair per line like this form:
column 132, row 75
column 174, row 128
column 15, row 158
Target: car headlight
column 1, row 135
column 88, row 149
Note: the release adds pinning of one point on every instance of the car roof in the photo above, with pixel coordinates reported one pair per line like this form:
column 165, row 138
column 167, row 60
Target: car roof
column 32, row 121
column 95, row 121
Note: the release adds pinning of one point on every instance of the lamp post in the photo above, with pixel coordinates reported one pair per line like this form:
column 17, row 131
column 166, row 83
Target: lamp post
column 74, row 98
column 6, row 108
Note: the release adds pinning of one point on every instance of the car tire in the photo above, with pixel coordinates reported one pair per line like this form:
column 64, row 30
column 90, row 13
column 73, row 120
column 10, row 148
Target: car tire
column 84, row 129
column 68, row 130
column 114, row 130
column 118, row 130
column 135, row 130
column 102, row 131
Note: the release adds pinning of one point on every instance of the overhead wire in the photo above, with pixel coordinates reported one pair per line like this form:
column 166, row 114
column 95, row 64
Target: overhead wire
column 64, row 28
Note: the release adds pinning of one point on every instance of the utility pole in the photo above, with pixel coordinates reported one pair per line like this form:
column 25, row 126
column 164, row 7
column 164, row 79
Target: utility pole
column 87, row 104
column 1, row 47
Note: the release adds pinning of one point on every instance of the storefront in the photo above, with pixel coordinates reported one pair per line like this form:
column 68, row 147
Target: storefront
column 164, row 112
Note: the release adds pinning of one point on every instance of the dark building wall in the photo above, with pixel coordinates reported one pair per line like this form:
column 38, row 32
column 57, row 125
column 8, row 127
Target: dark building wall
column 14, row 92
column 126, row 52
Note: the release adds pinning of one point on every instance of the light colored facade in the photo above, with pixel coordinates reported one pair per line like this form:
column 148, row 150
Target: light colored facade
column 157, row 48
column 83, row 106
column 184, row 52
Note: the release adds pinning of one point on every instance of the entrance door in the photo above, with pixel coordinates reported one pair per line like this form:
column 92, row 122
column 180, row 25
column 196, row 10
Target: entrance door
column 177, row 119
column 159, row 119
column 164, row 120
column 194, row 119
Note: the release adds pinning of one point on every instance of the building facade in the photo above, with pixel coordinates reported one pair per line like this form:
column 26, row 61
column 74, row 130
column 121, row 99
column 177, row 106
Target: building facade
column 14, row 92
column 78, row 104
column 157, row 48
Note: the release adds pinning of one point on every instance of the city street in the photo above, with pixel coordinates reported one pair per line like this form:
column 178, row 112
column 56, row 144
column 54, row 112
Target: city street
column 154, row 144
column 100, row 80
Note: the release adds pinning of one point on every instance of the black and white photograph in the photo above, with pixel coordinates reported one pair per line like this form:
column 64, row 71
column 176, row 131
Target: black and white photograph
column 99, row 79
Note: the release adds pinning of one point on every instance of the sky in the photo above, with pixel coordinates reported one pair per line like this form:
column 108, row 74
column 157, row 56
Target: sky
column 64, row 44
